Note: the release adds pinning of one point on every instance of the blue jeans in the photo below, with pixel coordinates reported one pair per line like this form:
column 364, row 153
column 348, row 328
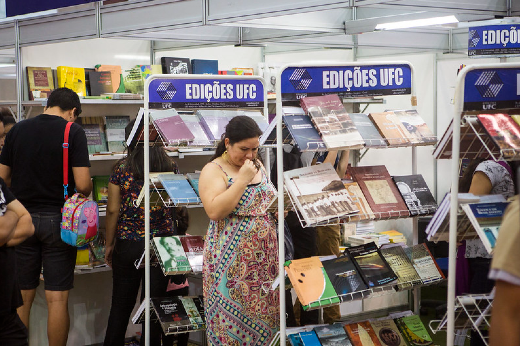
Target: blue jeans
column 126, row 280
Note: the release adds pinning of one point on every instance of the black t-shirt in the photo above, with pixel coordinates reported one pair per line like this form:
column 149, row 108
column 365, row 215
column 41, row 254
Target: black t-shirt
column 33, row 149
column 10, row 296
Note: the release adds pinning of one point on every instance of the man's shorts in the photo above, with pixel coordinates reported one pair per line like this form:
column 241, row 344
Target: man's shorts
column 46, row 247
column 13, row 331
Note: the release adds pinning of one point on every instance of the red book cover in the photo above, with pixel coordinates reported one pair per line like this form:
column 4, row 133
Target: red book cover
column 362, row 334
column 504, row 131
column 193, row 246
column 380, row 191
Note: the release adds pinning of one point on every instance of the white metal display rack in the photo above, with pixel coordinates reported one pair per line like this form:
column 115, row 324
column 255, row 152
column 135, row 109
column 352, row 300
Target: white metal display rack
column 163, row 91
column 494, row 100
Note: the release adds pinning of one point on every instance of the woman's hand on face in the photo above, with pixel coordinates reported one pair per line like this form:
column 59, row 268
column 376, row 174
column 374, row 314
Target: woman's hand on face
column 247, row 172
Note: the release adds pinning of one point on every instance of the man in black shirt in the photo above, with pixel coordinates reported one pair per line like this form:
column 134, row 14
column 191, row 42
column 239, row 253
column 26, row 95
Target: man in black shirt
column 15, row 226
column 31, row 163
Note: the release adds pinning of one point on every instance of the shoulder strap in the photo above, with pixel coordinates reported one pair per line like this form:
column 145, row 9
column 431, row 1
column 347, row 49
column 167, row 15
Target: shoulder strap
column 66, row 160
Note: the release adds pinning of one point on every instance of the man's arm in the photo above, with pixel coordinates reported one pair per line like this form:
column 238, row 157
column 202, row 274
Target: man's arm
column 8, row 223
column 5, row 173
column 24, row 228
column 505, row 317
column 82, row 180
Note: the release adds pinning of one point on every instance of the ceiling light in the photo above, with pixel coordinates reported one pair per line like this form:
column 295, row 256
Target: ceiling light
column 417, row 22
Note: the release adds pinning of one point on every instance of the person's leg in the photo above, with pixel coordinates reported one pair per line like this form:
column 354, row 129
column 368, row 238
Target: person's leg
column 24, row 311
column 12, row 331
column 58, row 322
column 328, row 244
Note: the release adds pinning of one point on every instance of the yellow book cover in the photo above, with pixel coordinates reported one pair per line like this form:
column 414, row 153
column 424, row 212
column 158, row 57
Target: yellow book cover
column 72, row 78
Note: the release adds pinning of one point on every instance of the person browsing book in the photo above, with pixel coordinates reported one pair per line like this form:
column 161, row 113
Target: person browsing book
column 241, row 248
column 31, row 163
column 125, row 241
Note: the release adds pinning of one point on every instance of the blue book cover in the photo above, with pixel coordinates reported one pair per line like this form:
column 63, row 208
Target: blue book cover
column 178, row 188
column 310, row 338
column 295, row 339
column 367, row 129
column 486, row 219
column 304, row 133
column 332, row 335
column 200, row 66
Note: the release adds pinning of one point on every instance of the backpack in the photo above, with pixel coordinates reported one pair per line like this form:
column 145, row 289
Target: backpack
column 80, row 215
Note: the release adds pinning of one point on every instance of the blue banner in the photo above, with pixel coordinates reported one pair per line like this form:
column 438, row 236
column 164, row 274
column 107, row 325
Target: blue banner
column 489, row 89
column 206, row 93
column 19, row 7
column 346, row 81
column 498, row 40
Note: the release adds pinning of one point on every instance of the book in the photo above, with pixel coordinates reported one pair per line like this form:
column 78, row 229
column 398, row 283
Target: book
column 504, row 131
column 372, row 265
column 318, row 193
column 416, row 194
column 72, row 78
column 345, row 277
column 310, row 338
column 170, row 255
column 40, row 81
column 368, row 130
column 486, row 219
column 303, row 132
column 94, row 128
column 195, row 127
column 115, row 131
column 100, row 188
column 391, row 128
column 380, row 191
column 193, row 179
column 295, row 339
column 115, row 76
column 195, row 310
column 227, row 72
column 387, row 332
column 413, row 330
column 200, row 66
column 213, row 122
column 332, row 122
column 100, row 82
column 311, row 282
column 257, row 116
column 402, row 266
column 136, row 134
column 178, row 188
column 419, row 132
column 172, row 65
column 193, row 246
column 245, row 71
column 332, row 335
column 171, row 127
column 360, row 202
column 148, row 70
column 133, row 80
column 424, row 263
column 362, row 334
column 172, row 314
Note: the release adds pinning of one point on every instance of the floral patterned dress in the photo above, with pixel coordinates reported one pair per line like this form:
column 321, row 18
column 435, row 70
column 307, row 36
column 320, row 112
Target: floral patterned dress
column 240, row 264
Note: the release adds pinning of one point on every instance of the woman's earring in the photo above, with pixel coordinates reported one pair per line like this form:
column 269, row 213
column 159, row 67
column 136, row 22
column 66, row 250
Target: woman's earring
column 225, row 155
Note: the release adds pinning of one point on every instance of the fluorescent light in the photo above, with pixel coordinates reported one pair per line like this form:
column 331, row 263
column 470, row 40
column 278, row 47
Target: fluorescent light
column 417, row 22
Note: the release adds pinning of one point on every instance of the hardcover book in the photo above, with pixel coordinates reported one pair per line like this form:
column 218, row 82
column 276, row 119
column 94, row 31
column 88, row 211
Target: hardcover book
column 40, row 81
column 380, row 191
column 94, row 128
column 424, row 263
column 318, row 193
column 171, row 255
column 368, row 130
column 115, row 130
column 360, row 202
column 193, row 179
column 310, row 338
column 345, row 277
column 195, row 127
column 214, row 122
column 100, row 188
column 115, row 76
column 486, row 218
column 332, row 121
column 413, row 330
column 193, row 246
column 311, row 282
column 362, row 334
column 100, row 82
column 178, row 188
column 303, row 132
column 402, row 266
column 504, row 131
column 72, row 78
column 172, row 128
column 200, row 66
column 133, row 80
column 175, row 65
column 388, row 333
column 416, row 194
column 419, row 132
column 391, row 128
column 372, row 265
column 332, row 335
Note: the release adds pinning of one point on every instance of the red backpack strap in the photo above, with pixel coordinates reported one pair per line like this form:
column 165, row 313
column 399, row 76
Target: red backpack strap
column 66, row 160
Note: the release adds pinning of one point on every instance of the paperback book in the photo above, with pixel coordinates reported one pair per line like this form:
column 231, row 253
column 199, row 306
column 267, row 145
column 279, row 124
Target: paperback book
column 193, row 179
column 175, row 65
column 310, row 338
column 133, row 80
column 100, row 82
column 402, row 266
column 214, row 122
column 303, row 132
column 504, row 131
column 40, row 81
column 368, row 131
column 172, row 128
column 115, row 76
column 413, row 330
column 388, row 333
column 360, row 202
column 196, row 129
column 94, row 128
column 391, row 128
column 424, row 263
column 200, row 66
column 195, row 310
column 332, row 335
column 345, row 277
column 178, row 188
column 372, row 265
column 170, row 255
column 100, row 189
column 416, row 194
column 72, row 78
column 193, row 246
column 115, row 131
column 419, row 132
column 362, row 334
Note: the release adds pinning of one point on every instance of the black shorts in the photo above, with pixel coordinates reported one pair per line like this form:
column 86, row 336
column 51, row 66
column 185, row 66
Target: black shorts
column 46, row 247
column 13, row 331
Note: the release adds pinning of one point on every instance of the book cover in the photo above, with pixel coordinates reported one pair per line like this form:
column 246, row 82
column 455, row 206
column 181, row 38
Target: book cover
column 193, row 179
column 368, row 130
column 213, row 122
column 195, row 127
column 115, row 75
column 360, row 202
column 100, row 82
column 178, row 188
column 115, row 131
column 332, row 122
column 413, row 330
column 402, row 266
column 133, row 80
column 391, row 128
column 380, row 191
column 94, row 128
column 227, row 72
column 172, row 65
column 310, row 338
column 504, row 131
column 258, row 117
column 311, row 282
column 420, row 133
column 303, row 132
column 416, row 194
column 72, row 78
column 136, row 134
column 486, row 218
column 148, row 70
column 192, row 307
column 193, row 246
column 295, row 339
column 362, row 334
column 424, row 263
column 245, row 71
column 40, row 82
column 332, row 335
column 171, row 314
column 372, row 265
column 201, row 66
column 318, row 193
column 170, row 254
column 100, row 188
column 345, row 277
column 172, row 129
column 388, row 333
